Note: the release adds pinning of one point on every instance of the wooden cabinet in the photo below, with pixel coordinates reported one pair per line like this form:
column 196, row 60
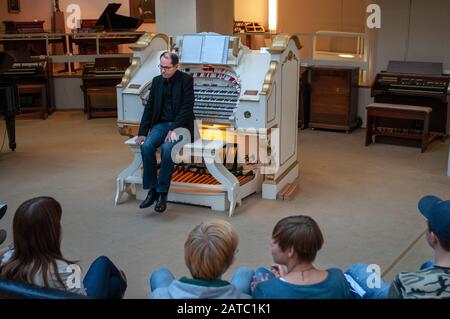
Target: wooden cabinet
column 334, row 98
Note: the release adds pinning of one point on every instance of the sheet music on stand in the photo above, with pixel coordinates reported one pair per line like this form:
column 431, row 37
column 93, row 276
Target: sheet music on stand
column 205, row 49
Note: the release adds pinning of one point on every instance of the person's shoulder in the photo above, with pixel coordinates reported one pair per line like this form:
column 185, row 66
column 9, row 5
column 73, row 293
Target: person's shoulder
column 406, row 274
column 422, row 275
column 335, row 273
column 269, row 284
column 63, row 266
column 419, row 284
column 157, row 78
column 184, row 75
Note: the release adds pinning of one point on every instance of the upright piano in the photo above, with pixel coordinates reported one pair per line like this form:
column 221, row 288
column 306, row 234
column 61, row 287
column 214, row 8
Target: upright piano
column 420, row 84
column 27, row 43
column 9, row 100
column 99, row 85
column 31, row 48
column 247, row 102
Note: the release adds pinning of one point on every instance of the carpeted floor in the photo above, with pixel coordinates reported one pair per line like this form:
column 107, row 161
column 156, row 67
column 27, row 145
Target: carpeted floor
column 364, row 199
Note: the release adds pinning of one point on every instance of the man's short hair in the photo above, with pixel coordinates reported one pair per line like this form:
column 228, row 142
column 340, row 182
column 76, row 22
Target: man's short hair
column 209, row 249
column 301, row 233
column 173, row 57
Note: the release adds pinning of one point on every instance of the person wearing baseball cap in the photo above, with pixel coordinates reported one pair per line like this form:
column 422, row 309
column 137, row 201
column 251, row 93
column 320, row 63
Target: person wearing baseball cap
column 433, row 280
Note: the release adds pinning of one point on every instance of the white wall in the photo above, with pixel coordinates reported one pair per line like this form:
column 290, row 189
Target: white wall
column 430, row 32
column 414, row 30
column 91, row 9
column 175, row 17
column 215, row 16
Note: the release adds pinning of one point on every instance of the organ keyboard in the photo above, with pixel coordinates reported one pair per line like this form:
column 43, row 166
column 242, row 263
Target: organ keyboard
column 240, row 95
column 26, row 69
column 99, row 82
column 32, row 77
column 402, row 84
column 418, row 84
column 216, row 93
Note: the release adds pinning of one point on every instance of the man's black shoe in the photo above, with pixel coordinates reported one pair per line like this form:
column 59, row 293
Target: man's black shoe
column 150, row 199
column 161, row 203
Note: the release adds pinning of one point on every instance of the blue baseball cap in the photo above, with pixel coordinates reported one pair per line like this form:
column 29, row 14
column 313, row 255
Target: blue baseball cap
column 437, row 212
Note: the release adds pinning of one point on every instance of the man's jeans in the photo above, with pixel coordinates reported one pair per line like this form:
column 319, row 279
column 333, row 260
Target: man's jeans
column 155, row 139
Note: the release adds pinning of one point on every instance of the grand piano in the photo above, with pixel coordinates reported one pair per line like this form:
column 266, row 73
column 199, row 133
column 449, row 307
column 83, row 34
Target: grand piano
column 9, row 99
column 103, row 35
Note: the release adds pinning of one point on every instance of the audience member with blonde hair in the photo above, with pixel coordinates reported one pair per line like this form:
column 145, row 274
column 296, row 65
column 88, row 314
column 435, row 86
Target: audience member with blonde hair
column 37, row 258
column 208, row 252
column 294, row 246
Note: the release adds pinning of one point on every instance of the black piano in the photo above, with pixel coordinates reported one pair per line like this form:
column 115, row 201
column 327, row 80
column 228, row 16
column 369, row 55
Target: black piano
column 418, row 84
column 110, row 30
column 99, row 85
column 9, row 100
column 32, row 77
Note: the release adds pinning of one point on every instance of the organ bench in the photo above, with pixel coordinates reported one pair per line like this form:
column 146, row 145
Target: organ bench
column 395, row 135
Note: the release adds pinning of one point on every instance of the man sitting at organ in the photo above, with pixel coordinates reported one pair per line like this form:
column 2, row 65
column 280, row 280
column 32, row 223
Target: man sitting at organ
column 170, row 105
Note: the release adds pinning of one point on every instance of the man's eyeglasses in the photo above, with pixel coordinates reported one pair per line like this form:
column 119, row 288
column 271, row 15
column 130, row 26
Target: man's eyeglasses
column 164, row 67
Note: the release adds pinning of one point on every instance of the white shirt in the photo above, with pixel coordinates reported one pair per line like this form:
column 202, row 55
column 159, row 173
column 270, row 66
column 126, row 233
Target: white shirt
column 69, row 274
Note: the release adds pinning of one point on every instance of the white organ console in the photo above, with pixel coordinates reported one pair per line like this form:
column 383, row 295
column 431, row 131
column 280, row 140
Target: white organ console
column 247, row 102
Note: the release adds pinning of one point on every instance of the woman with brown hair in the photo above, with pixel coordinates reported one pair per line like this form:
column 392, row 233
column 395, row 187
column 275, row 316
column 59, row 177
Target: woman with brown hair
column 37, row 259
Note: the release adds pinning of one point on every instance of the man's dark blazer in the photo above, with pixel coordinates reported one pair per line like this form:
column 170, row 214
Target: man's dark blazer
column 182, row 102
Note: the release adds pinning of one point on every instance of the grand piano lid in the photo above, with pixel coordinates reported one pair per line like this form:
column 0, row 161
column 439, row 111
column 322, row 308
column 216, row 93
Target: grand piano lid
column 112, row 21
column 6, row 62
column 422, row 68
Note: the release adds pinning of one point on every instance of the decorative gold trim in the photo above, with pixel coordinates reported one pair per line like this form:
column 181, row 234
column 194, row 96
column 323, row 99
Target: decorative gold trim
column 270, row 77
column 141, row 44
column 235, row 51
column 130, row 72
column 275, row 104
column 270, row 180
column 119, row 122
column 281, row 41
column 172, row 43
column 145, row 40
column 291, row 56
column 128, row 128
